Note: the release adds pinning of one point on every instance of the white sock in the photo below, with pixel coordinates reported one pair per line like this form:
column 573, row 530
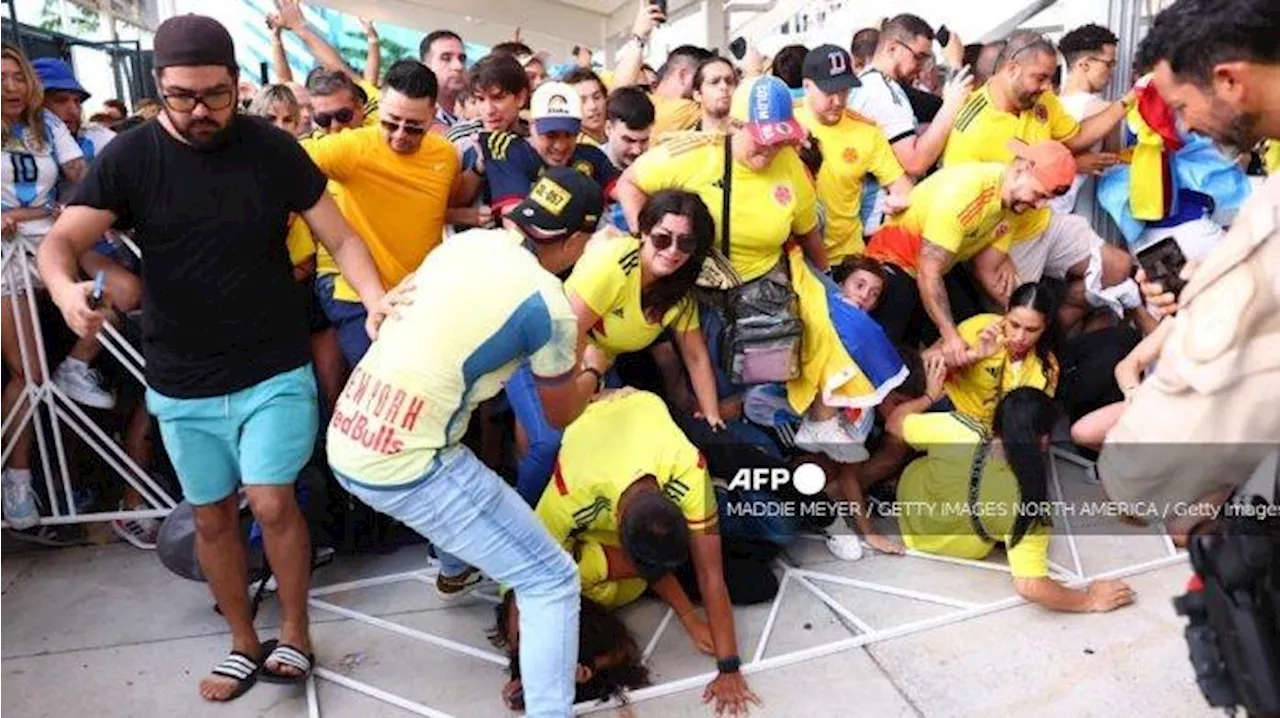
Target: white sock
column 17, row 476
column 76, row 364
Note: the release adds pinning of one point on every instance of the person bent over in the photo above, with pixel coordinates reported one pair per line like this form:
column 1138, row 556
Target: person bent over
column 395, row 441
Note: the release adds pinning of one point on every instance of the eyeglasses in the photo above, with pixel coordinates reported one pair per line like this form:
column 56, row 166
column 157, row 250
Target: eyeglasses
column 408, row 129
column 921, row 57
column 662, row 240
column 343, row 116
column 186, row 102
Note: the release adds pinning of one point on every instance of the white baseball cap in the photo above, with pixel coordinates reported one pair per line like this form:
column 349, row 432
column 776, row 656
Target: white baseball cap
column 555, row 107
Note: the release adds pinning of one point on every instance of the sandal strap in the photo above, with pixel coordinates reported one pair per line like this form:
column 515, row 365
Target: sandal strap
column 236, row 665
column 290, row 656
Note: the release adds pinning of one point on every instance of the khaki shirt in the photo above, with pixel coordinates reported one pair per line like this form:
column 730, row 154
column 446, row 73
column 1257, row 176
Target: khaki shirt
column 1210, row 412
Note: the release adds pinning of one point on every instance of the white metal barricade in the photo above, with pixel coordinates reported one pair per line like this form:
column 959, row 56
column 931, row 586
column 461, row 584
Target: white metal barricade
column 62, row 411
column 863, row 633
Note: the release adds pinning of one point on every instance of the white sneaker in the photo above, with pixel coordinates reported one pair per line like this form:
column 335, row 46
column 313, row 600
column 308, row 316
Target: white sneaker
column 846, row 547
column 20, row 508
column 827, row 437
column 142, row 533
column 83, row 384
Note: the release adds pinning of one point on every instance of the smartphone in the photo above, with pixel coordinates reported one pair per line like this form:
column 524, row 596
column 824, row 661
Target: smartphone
column 661, row 5
column 1163, row 262
column 738, row 47
column 943, row 35
column 99, row 288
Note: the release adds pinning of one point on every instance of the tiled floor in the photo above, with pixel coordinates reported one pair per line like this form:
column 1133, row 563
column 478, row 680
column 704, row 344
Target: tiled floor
column 106, row 631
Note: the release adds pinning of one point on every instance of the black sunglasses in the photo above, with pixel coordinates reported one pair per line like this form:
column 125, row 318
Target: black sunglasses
column 343, row 116
column 662, row 240
column 414, row 130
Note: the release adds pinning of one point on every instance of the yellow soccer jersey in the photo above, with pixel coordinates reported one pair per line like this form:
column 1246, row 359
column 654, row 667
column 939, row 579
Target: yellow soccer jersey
column 607, row 279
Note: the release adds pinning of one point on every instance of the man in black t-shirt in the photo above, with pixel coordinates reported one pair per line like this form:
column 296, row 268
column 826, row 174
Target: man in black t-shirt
column 209, row 194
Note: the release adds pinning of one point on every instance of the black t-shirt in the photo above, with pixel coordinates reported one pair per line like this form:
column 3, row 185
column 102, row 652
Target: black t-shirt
column 221, row 311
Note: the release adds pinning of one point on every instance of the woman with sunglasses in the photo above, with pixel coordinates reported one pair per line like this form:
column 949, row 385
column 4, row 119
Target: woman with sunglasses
column 626, row 292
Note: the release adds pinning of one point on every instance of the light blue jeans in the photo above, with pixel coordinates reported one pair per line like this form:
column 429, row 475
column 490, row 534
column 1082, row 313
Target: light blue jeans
column 467, row 511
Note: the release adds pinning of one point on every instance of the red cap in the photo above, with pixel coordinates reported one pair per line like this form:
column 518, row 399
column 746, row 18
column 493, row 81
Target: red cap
column 1052, row 164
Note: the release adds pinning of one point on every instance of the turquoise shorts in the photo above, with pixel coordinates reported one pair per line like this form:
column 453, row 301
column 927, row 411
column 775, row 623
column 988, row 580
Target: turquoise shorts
column 259, row 436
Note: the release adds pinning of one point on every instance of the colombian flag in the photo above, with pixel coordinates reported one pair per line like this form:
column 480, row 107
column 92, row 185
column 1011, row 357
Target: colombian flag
column 852, row 367
column 1152, row 188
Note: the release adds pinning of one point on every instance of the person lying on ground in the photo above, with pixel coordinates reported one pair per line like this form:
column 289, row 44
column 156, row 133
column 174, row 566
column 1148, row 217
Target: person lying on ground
column 1008, row 466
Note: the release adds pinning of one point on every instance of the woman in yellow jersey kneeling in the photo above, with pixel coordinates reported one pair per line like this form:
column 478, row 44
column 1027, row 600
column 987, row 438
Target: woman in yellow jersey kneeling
column 1005, row 353
column 975, row 488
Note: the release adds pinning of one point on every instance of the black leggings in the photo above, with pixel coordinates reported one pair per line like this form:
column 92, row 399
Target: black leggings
column 748, row 574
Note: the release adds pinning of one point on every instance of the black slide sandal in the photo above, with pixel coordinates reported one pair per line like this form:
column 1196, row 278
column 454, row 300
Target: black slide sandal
column 240, row 667
column 285, row 654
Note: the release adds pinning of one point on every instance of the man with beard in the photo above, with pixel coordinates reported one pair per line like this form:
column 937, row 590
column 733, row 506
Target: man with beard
column 905, row 45
column 1217, row 63
column 713, row 86
column 225, row 327
column 1018, row 102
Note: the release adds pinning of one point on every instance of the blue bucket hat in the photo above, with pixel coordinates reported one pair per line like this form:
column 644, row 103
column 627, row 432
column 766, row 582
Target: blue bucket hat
column 54, row 74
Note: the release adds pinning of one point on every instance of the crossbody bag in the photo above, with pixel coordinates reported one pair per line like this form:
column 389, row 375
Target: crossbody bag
column 763, row 330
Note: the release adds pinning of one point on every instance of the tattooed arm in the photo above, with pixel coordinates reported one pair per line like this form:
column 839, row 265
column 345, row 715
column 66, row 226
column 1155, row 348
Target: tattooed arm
column 934, row 263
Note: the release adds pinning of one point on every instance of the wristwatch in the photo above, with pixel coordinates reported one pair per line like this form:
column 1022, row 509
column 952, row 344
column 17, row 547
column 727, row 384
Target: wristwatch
column 729, row 665
column 640, row 42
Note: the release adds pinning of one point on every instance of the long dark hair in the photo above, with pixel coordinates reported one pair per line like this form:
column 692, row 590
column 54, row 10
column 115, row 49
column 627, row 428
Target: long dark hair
column 599, row 633
column 668, row 291
column 1024, row 417
column 1044, row 298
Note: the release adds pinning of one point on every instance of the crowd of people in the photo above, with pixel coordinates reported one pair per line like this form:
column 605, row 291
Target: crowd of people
column 544, row 322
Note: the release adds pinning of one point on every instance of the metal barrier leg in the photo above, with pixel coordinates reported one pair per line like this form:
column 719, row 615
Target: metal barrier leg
column 40, row 391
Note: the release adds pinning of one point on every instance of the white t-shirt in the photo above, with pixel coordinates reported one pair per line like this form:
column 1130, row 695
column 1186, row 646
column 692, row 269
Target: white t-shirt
column 883, row 100
column 1079, row 105
column 29, row 176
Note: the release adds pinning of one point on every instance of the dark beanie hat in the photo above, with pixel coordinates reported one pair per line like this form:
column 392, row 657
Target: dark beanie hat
column 192, row 40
